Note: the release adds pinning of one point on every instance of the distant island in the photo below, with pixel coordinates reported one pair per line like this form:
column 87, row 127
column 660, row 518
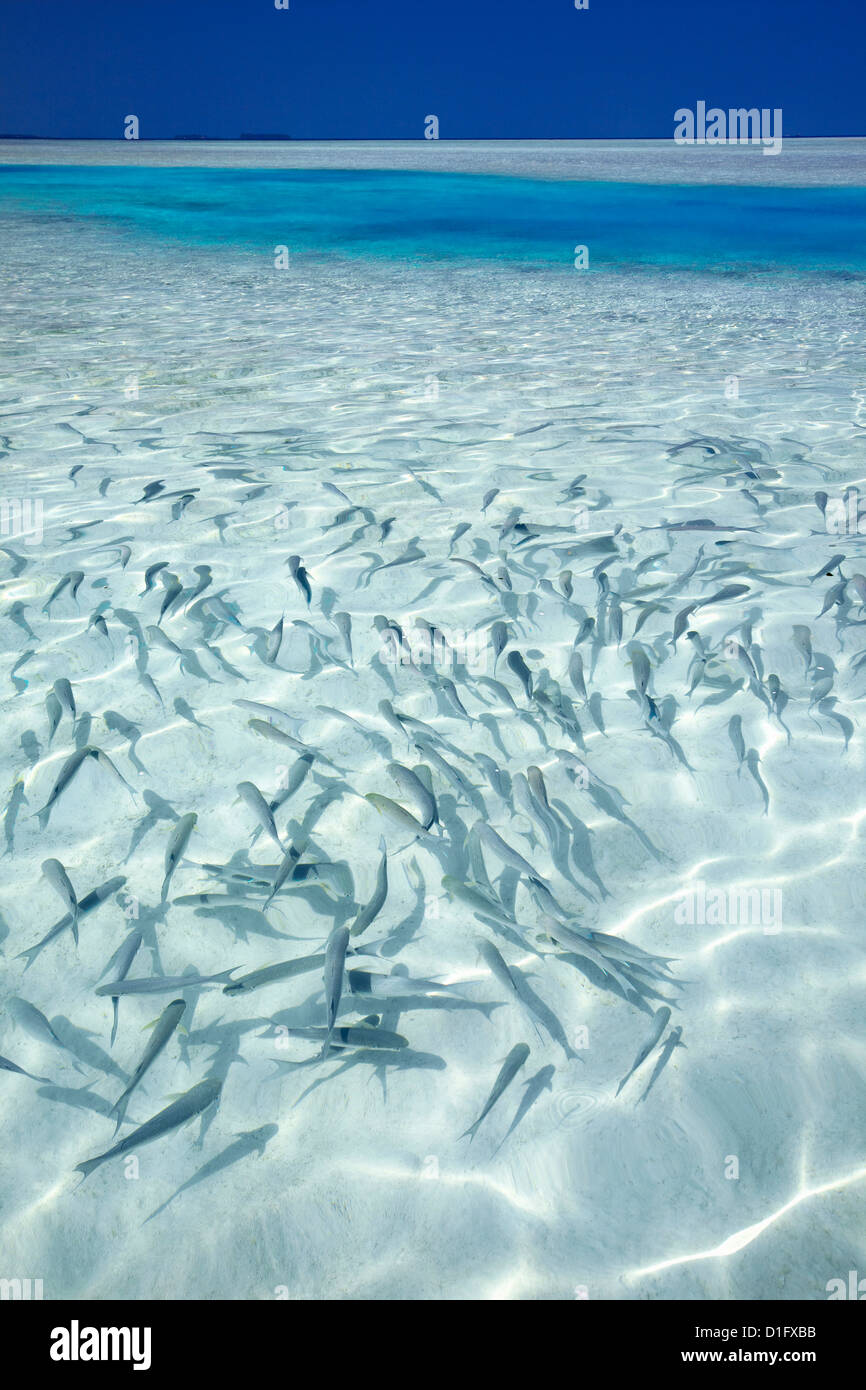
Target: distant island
column 142, row 139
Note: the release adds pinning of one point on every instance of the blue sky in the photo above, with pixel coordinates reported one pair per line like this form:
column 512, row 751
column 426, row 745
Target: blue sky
column 373, row 69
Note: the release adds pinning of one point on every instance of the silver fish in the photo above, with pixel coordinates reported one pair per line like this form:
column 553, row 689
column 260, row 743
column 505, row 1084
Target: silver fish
column 163, row 984
column 661, row 1020
column 284, row 872
column 681, row 621
column 158, row 638
column 105, row 762
column 835, row 595
column 510, row 1067
column 193, row 1102
column 86, row 904
column 827, row 569
column 175, row 848
column 165, row 1026
column 398, row 814
column 6, row 1065
column 274, row 642
column 270, row 731
column 334, row 974
column 63, row 691
column 494, row 842
column 640, row 666
column 538, row 787
column 34, row 1022
column 300, row 576
column 722, row 595
column 411, row 786
column 252, row 797
column 368, row 913
column 64, row 777
column 271, row 974
column 59, row 880
column 121, row 963
column 580, row 944
column 268, row 712
column 496, row 964
column 476, row 897
column 673, row 1040
column 54, row 711
column 540, row 1082
column 392, row 986
column 392, row 718
column 351, row 1036
column 295, row 777
column 858, row 583
column 449, row 689
column 451, row 774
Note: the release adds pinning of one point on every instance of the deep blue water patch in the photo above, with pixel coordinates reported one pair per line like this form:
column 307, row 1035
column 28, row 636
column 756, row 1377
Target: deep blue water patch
column 420, row 215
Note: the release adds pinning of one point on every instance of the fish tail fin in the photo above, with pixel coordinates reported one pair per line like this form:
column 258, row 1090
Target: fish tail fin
column 118, row 1109
column 488, row 1009
column 87, row 1167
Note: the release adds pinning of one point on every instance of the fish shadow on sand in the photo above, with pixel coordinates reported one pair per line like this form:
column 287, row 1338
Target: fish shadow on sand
column 78, row 1042
column 251, row 1141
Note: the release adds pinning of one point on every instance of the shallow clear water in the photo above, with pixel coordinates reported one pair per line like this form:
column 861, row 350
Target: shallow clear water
column 428, row 342
column 416, row 214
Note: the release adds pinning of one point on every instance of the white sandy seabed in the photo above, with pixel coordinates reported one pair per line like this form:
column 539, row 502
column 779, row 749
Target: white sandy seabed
column 397, row 382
